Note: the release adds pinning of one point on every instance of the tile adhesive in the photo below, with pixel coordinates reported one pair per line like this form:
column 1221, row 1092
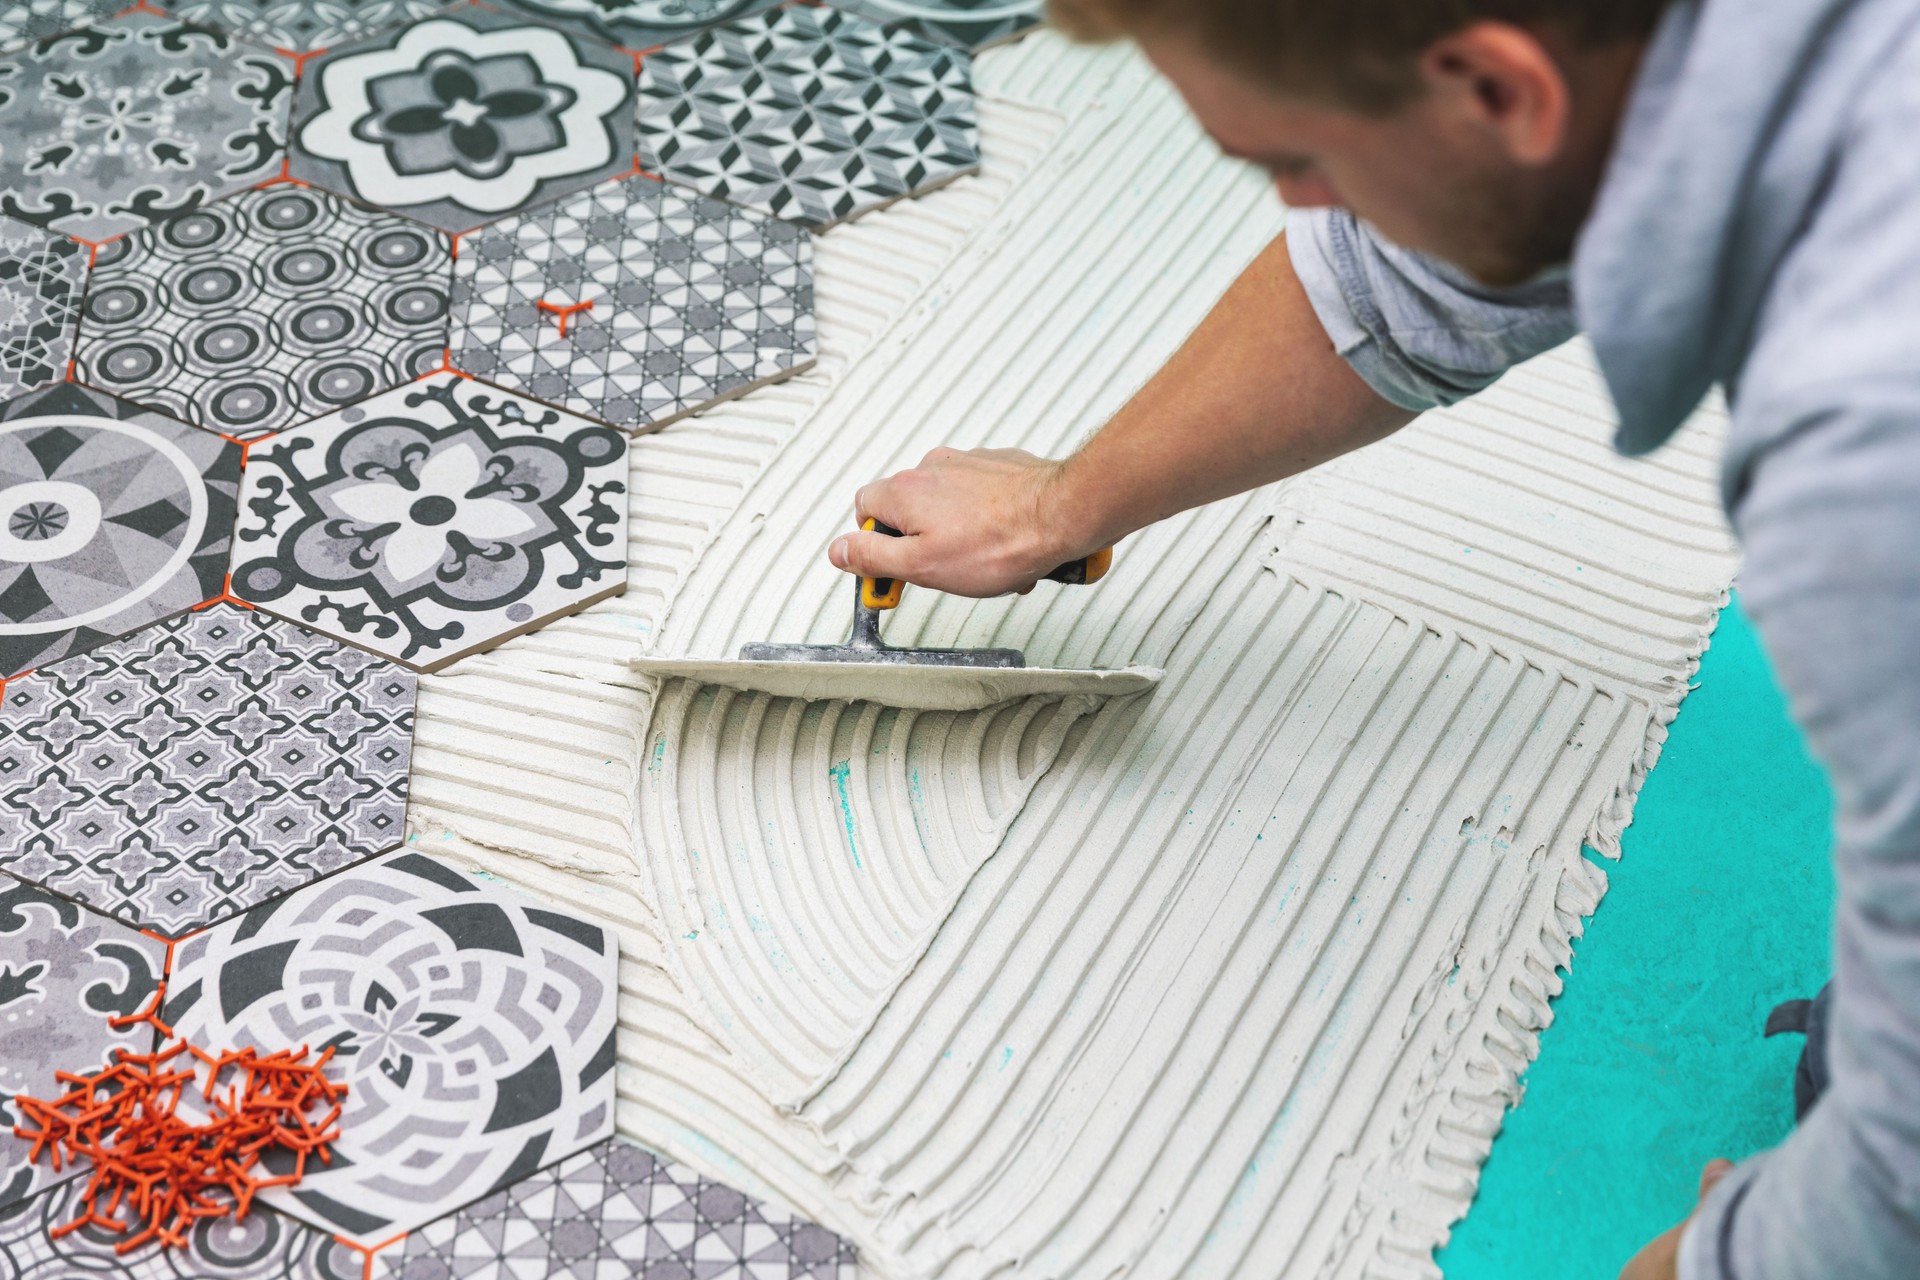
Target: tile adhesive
column 1236, row 978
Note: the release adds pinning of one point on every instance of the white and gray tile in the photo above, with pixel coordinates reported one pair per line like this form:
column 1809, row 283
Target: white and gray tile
column 464, row 118
column 24, row 21
column 672, row 302
column 473, row 1028
column 638, row 24
column 808, row 114
column 111, row 518
column 41, row 278
column 199, row 767
column 969, row 24
column 302, row 26
column 434, row 521
column 258, row 312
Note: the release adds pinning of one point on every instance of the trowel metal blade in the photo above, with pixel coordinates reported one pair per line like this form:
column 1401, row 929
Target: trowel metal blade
column 913, row 685
column 767, row 652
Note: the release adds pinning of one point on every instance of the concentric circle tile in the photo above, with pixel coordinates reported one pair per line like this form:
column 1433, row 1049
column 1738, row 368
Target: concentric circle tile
column 301, row 26
column 970, row 24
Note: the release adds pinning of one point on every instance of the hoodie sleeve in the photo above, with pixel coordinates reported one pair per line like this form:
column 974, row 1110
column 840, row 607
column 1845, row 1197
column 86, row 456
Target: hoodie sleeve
column 1420, row 332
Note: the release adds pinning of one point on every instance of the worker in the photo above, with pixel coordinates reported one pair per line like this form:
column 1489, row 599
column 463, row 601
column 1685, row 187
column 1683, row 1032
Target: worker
column 1718, row 193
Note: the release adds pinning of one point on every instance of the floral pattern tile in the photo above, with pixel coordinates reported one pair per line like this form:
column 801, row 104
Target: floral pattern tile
column 255, row 313
column 808, row 114
column 434, row 521
column 202, row 766
column 638, row 24
column 134, row 119
column 41, row 278
column 618, row 1210
column 302, row 26
column 970, row 24
column 64, row 972
column 111, row 518
column 473, row 1027
column 670, row 303
column 464, row 118
column 24, row 21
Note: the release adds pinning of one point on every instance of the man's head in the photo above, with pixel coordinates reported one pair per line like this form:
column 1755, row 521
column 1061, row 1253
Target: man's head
column 1475, row 130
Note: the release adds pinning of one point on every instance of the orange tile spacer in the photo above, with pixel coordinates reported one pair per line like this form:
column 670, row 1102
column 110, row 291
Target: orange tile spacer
column 226, row 596
column 564, row 314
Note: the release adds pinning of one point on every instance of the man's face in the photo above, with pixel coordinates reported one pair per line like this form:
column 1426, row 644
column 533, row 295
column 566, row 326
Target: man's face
column 1493, row 177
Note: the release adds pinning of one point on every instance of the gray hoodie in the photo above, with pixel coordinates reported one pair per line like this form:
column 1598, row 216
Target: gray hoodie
column 1759, row 229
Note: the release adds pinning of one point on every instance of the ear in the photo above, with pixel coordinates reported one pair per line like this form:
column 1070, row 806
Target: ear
column 1503, row 79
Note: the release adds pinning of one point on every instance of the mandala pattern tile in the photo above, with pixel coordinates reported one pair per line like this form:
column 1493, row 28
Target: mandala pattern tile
column 120, row 124
column 473, row 1028
column 197, row 768
column 615, row 1211
column 671, row 302
column 258, row 312
column 41, row 277
column 64, row 971
column 464, row 118
column 301, row 26
column 265, row 1246
column 110, row 518
column 638, row 24
column 970, row 24
column 434, row 521
column 24, row 21
column 808, row 114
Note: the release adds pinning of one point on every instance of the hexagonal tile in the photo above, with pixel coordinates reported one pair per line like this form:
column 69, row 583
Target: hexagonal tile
column 464, row 118
column 473, row 1027
column 24, row 21
column 638, row 24
column 202, row 766
column 41, row 277
column 116, row 125
column 258, row 312
column 434, row 521
column 617, row 1209
column 64, row 971
column 970, row 24
column 808, row 114
column 300, row 26
column 635, row 303
column 110, row 518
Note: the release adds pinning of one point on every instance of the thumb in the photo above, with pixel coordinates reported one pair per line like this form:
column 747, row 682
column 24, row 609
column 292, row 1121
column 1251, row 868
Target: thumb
column 1715, row 1170
column 872, row 555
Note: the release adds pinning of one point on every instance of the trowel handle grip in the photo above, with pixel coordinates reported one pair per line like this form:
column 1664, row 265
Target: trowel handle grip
column 884, row 593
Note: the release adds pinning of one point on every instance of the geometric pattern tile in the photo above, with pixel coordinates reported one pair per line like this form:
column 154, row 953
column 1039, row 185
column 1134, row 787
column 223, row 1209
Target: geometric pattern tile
column 41, row 277
column 434, row 521
column 110, row 518
column 202, row 766
column 616, row 1211
column 683, row 300
column 970, row 24
column 808, row 114
column 267, row 309
column 262, row 1246
column 473, row 1028
column 24, row 21
column 464, row 118
column 300, row 26
column 638, row 24
column 117, row 125
column 64, row 972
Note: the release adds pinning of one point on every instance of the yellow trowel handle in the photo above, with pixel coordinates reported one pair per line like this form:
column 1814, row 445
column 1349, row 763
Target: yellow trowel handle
column 884, row 593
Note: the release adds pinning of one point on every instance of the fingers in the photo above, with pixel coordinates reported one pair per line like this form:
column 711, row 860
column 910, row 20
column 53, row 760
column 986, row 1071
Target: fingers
column 873, row 555
column 1715, row 1170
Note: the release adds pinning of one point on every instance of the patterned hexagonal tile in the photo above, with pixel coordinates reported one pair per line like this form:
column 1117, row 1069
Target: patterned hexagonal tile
column 41, row 278
column 202, row 766
column 110, row 518
column 301, row 26
column 267, row 309
column 616, row 1210
column 635, row 303
column 119, row 124
column 970, row 24
column 638, row 24
column 473, row 1027
column 808, row 114
column 24, row 21
column 64, row 972
column 464, row 118
column 434, row 521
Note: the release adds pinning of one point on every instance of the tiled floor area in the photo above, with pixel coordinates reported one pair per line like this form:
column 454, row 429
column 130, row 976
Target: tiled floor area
column 323, row 328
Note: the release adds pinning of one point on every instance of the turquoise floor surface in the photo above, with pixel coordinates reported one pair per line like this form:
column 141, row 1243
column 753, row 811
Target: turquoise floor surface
column 1654, row 1064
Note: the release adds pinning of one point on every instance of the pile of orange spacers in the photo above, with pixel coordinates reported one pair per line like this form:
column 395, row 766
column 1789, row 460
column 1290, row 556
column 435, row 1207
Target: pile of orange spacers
column 155, row 1173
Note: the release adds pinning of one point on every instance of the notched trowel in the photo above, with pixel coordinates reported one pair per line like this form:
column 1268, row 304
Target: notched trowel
column 866, row 668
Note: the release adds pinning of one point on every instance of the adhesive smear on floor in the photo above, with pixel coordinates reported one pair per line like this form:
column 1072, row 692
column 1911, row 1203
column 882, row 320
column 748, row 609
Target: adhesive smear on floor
column 1232, row 979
